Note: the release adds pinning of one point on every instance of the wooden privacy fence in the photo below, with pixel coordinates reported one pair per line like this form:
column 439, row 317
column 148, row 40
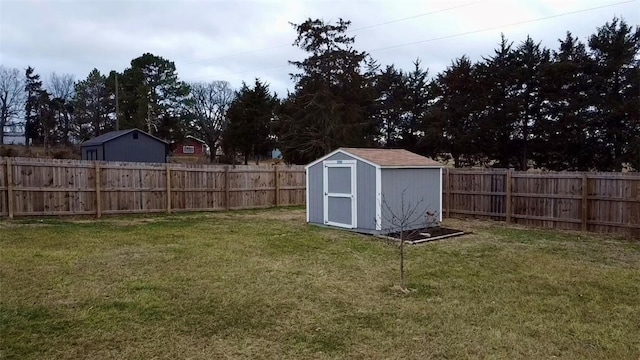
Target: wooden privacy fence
column 600, row 202
column 75, row 187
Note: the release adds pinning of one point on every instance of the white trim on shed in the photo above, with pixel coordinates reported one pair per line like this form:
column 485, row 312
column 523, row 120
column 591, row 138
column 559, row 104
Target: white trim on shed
column 306, row 191
column 378, row 198
column 441, row 181
column 342, row 152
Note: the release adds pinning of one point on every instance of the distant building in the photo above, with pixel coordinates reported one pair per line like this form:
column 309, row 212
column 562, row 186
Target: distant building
column 14, row 138
column 190, row 146
column 131, row 145
column 14, row 135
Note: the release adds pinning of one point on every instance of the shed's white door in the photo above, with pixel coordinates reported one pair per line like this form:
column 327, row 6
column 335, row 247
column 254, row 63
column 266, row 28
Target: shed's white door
column 340, row 193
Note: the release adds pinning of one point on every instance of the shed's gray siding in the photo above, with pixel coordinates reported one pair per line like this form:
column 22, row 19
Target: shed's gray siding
column 365, row 197
column 142, row 149
column 422, row 185
column 125, row 147
column 98, row 152
column 366, row 185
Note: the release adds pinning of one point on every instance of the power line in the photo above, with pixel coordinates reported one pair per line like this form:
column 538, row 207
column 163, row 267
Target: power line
column 502, row 26
column 415, row 16
column 351, row 30
column 444, row 37
column 238, row 73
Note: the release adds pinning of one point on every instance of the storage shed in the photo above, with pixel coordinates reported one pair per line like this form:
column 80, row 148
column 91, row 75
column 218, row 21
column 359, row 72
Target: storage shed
column 131, row 145
column 361, row 189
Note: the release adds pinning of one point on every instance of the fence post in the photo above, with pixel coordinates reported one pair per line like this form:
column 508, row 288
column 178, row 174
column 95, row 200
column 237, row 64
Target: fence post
column 277, row 183
column 9, row 188
column 585, row 198
column 449, row 189
column 98, row 191
column 226, row 188
column 168, row 181
column 508, row 209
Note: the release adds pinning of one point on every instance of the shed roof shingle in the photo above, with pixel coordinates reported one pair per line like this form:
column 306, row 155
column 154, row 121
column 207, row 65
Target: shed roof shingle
column 391, row 157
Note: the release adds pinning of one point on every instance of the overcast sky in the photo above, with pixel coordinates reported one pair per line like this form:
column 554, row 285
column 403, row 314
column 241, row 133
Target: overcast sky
column 241, row 40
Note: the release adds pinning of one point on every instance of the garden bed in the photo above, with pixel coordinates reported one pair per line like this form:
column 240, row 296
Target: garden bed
column 426, row 234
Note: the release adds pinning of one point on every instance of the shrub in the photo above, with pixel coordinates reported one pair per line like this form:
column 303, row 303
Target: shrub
column 65, row 153
column 8, row 151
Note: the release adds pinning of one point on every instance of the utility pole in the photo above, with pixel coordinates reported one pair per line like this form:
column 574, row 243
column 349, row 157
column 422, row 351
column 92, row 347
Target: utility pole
column 117, row 105
column 149, row 118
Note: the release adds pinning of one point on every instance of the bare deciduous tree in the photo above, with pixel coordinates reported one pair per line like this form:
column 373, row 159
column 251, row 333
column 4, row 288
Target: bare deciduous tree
column 62, row 88
column 208, row 108
column 11, row 97
column 404, row 218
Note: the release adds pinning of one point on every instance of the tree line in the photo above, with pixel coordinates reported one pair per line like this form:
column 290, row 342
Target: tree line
column 576, row 107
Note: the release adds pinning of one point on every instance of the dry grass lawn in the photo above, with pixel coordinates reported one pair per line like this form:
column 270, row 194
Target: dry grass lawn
column 264, row 285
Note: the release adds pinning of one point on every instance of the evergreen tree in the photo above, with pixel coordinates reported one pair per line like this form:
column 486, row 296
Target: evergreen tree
column 566, row 134
column 456, row 111
column 47, row 109
column 633, row 147
column 615, row 93
column 332, row 100
column 418, row 135
column 94, row 107
column 532, row 61
column 151, row 97
column 249, row 129
column 496, row 97
column 392, row 95
column 33, row 88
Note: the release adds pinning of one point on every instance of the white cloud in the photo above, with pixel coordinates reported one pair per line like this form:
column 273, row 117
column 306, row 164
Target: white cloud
column 217, row 40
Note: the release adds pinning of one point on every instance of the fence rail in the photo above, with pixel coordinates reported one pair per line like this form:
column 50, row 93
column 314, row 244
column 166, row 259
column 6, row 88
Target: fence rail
column 600, row 202
column 30, row 187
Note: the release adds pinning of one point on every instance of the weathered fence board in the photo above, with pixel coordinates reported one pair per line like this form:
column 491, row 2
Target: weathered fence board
column 69, row 187
column 600, row 202
column 4, row 189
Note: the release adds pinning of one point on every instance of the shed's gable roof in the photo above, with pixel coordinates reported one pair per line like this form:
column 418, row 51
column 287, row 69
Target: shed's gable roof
column 390, row 158
column 98, row 140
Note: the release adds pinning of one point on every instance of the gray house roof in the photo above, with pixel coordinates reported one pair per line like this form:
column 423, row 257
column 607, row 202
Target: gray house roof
column 98, row 140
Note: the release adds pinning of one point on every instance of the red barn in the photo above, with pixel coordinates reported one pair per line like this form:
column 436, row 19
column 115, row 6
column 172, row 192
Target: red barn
column 190, row 146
